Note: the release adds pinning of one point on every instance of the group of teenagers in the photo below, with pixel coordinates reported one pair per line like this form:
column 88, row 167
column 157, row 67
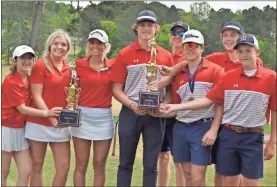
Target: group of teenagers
column 212, row 109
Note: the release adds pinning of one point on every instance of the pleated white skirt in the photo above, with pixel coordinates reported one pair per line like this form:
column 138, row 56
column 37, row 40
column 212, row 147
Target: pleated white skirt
column 96, row 124
column 13, row 139
column 43, row 133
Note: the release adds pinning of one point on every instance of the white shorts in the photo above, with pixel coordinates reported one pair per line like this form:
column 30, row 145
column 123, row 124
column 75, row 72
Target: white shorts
column 13, row 139
column 43, row 133
column 96, row 124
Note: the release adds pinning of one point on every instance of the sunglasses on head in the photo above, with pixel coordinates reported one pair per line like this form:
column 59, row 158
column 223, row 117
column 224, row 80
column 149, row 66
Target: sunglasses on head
column 180, row 33
column 191, row 45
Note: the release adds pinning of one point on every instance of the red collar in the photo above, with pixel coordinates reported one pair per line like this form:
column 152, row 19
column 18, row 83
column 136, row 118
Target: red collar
column 85, row 62
column 65, row 65
column 203, row 65
column 258, row 73
column 137, row 47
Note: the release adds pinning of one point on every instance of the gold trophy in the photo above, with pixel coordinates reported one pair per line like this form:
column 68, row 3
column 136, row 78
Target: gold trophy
column 151, row 98
column 70, row 115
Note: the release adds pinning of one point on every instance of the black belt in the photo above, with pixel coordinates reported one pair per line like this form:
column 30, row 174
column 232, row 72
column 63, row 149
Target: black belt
column 203, row 120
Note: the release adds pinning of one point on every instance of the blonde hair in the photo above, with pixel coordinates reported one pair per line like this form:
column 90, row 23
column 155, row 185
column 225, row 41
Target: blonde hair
column 49, row 42
column 135, row 25
column 105, row 52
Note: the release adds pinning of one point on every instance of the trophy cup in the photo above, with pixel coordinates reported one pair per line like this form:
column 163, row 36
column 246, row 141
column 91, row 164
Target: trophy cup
column 151, row 98
column 70, row 115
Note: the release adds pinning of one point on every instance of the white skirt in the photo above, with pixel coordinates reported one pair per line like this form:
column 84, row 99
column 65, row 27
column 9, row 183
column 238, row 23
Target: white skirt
column 43, row 133
column 96, row 124
column 13, row 139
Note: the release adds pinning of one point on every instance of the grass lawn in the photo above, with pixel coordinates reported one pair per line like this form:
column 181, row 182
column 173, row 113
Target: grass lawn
column 112, row 163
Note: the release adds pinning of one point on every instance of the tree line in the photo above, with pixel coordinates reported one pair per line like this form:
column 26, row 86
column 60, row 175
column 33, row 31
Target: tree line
column 31, row 22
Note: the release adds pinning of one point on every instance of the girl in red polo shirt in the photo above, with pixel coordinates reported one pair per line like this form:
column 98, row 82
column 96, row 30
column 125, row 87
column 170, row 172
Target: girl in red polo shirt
column 48, row 79
column 15, row 97
column 95, row 102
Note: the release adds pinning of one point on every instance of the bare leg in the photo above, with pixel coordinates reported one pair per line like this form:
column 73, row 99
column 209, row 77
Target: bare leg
column 61, row 153
column 186, row 167
column 82, row 154
column 180, row 179
column 164, row 168
column 240, row 180
column 23, row 163
column 198, row 174
column 218, row 179
column 248, row 182
column 6, row 158
column 38, row 150
column 231, row 180
column 100, row 153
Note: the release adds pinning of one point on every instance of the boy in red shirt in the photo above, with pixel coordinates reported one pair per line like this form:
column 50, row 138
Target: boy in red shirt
column 246, row 93
column 176, row 34
column 129, row 79
column 228, row 60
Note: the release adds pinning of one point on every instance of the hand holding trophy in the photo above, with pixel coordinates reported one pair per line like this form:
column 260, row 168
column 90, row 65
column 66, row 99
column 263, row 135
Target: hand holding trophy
column 70, row 115
column 151, row 98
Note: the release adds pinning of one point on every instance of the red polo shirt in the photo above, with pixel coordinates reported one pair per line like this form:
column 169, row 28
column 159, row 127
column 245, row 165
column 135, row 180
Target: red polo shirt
column 246, row 99
column 129, row 68
column 53, row 92
column 222, row 59
column 207, row 76
column 14, row 93
column 178, row 57
column 96, row 86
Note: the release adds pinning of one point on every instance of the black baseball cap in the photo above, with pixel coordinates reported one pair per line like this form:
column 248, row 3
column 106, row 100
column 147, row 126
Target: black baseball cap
column 248, row 39
column 233, row 25
column 184, row 25
column 147, row 15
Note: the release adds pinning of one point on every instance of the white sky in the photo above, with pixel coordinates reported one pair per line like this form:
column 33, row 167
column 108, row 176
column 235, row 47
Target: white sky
column 233, row 5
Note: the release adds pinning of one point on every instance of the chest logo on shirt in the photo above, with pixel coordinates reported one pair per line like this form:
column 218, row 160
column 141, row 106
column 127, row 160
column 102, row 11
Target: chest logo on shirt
column 181, row 82
column 136, row 61
column 236, row 85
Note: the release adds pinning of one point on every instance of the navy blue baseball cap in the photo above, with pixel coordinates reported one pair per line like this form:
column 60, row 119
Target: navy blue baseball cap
column 233, row 25
column 248, row 39
column 147, row 15
column 184, row 25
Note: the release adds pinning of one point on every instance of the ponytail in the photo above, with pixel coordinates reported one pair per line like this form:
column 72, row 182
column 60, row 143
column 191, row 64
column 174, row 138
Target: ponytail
column 13, row 69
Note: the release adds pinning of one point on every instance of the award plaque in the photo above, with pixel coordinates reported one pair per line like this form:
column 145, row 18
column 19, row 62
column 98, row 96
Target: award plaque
column 151, row 97
column 70, row 115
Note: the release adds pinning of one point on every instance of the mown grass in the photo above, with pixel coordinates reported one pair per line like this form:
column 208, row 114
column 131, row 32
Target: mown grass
column 111, row 169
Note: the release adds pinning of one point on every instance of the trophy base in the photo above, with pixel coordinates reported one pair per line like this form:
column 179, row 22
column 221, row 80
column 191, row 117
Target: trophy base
column 69, row 118
column 149, row 100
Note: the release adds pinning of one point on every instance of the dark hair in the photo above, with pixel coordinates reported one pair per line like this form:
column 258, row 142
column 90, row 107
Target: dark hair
column 14, row 67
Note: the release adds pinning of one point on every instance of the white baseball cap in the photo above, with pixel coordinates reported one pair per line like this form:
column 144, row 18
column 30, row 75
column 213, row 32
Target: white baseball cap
column 193, row 36
column 21, row 50
column 99, row 35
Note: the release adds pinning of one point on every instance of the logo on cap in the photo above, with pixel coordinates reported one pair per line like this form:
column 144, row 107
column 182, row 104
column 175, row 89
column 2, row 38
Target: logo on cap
column 191, row 36
column 96, row 32
column 243, row 38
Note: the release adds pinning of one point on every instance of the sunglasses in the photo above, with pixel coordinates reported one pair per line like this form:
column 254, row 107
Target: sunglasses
column 191, row 45
column 179, row 33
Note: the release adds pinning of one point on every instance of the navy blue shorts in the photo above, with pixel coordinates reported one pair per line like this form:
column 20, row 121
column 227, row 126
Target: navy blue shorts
column 240, row 153
column 187, row 143
column 168, row 135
